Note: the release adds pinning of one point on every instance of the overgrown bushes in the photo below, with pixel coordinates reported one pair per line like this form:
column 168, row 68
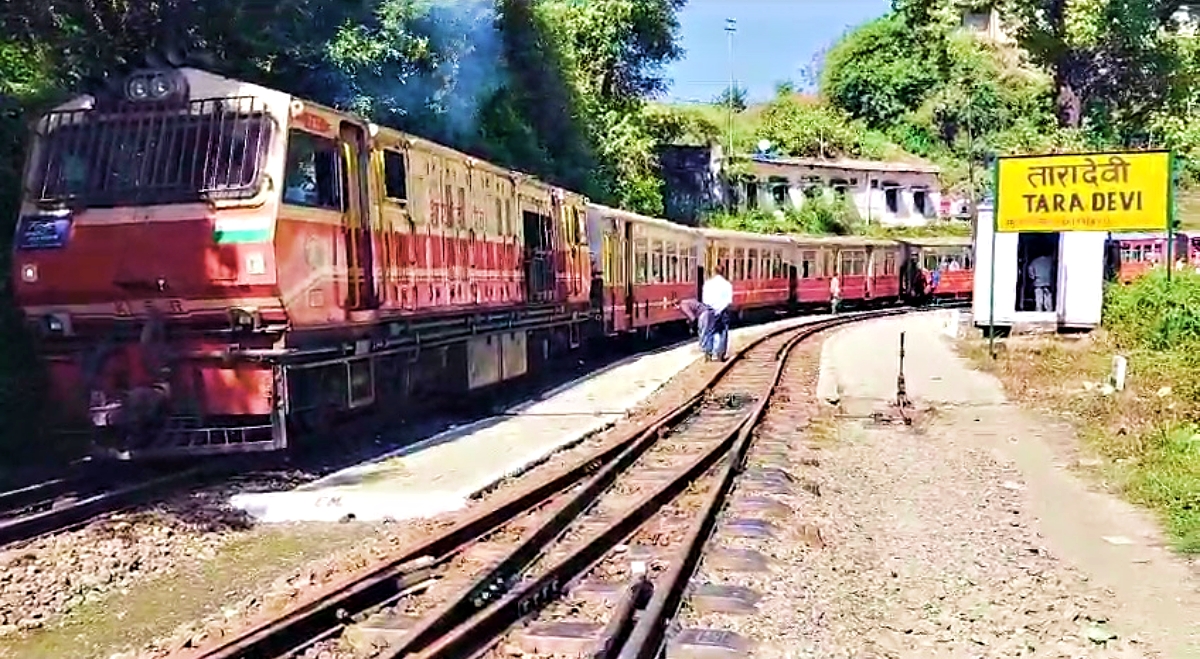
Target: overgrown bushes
column 1155, row 322
column 1148, row 435
column 823, row 213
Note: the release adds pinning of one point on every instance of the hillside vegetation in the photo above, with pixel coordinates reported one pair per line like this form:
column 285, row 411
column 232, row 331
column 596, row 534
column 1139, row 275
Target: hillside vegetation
column 1141, row 441
column 1098, row 75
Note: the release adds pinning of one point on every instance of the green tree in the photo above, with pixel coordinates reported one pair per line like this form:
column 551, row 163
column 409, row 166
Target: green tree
column 879, row 73
column 1105, row 56
column 734, row 97
column 812, row 130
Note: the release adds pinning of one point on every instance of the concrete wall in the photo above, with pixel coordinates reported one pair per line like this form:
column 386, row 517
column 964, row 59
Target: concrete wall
column 1079, row 294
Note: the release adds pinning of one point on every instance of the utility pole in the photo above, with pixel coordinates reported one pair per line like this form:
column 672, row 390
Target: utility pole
column 730, row 29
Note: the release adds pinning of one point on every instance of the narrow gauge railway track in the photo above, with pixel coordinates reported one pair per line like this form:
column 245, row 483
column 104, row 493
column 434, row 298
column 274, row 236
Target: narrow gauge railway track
column 567, row 524
column 74, row 499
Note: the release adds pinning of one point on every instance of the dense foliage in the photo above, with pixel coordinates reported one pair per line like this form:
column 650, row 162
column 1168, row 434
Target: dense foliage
column 1079, row 75
column 1155, row 322
column 824, row 213
column 555, row 87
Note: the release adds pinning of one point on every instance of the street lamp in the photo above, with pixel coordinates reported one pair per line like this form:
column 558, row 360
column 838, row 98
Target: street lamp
column 730, row 29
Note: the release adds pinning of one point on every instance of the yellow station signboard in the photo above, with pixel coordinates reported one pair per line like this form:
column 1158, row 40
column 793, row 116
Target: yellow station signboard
column 1086, row 192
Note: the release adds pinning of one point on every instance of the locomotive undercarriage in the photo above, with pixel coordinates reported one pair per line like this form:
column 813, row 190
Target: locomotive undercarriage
column 317, row 381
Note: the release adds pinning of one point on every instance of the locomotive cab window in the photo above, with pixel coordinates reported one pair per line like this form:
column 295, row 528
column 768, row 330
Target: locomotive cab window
column 313, row 172
column 395, row 175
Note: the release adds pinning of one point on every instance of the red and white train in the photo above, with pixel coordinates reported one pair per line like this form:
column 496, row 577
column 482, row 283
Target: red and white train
column 1138, row 253
column 213, row 266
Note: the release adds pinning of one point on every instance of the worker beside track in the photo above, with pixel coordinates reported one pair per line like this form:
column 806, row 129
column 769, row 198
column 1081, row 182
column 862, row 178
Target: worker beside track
column 699, row 313
column 717, row 296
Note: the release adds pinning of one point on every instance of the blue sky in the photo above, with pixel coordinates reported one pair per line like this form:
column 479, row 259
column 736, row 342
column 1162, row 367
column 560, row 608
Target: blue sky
column 775, row 41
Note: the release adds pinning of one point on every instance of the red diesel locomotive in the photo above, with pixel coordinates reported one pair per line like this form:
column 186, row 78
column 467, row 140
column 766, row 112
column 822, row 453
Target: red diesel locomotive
column 213, row 266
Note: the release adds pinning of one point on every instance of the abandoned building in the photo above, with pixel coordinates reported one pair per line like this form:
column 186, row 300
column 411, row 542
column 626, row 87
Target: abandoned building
column 692, row 185
column 889, row 193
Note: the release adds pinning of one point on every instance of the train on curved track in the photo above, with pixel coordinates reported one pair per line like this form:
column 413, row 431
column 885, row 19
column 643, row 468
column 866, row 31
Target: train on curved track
column 213, row 266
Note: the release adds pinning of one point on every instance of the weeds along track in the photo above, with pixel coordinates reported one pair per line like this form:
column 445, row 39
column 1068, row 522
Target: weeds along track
column 626, row 526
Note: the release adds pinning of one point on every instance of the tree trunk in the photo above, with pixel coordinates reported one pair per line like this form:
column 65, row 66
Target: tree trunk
column 1069, row 99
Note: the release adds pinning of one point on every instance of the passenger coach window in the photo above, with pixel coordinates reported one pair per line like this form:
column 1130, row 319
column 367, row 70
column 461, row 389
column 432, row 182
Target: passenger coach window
column 395, row 175
column 641, row 251
column 808, row 265
column 312, row 172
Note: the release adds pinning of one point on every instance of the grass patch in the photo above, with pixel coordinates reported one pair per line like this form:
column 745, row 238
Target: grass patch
column 1147, row 437
column 123, row 621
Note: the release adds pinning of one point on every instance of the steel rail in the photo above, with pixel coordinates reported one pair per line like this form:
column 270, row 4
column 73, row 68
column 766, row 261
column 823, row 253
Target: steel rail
column 327, row 608
column 438, row 637
column 645, row 640
column 27, row 527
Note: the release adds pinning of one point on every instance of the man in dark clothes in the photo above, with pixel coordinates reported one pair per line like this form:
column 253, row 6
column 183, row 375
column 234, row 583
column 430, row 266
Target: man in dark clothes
column 699, row 313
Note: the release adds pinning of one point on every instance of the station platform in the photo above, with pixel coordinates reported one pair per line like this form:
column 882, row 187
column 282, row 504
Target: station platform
column 863, row 381
column 439, row 474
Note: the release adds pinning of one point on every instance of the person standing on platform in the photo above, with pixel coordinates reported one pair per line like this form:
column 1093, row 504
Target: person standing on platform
column 1039, row 271
column 718, row 297
column 699, row 313
column 835, row 293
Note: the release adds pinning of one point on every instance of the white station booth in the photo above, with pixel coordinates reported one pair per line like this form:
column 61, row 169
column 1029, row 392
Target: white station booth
column 1077, row 294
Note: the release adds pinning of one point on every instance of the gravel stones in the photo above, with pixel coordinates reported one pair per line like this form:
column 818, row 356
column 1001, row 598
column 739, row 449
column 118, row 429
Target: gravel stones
column 52, row 575
column 929, row 552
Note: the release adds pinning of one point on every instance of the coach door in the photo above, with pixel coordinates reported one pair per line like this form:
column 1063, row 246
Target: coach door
column 540, row 281
column 631, row 271
column 356, row 225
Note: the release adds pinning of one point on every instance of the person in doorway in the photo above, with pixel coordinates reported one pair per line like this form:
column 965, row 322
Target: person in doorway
column 697, row 312
column 718, row 297
column 835, row 293
column 1040, row 270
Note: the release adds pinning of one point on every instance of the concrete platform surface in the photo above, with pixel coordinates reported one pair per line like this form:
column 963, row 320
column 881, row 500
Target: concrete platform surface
column 859, row 364
column 441, row 473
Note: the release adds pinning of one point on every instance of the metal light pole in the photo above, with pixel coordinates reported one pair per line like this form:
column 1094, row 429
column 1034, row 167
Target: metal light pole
column 730, row 29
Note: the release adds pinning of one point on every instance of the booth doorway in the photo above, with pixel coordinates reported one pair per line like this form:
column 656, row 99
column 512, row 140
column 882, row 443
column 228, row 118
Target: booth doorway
column 1037, row 271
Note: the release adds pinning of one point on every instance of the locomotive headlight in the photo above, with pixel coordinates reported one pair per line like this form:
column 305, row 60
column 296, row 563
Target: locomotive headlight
column 160, row 87
column 29, row 273
column 151, row 85
column 56, row 324
column 137, row 89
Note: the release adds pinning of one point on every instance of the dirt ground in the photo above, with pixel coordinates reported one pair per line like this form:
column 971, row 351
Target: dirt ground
column 971, row 537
